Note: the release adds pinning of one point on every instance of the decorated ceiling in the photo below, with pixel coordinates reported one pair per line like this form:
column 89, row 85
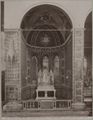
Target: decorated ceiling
column 46, row 26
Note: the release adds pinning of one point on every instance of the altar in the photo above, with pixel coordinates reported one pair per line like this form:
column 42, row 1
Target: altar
column 45, row 93
column 45, row 89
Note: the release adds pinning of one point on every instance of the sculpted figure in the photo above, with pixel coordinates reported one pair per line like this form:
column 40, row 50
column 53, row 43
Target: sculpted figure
column 51, row 77
column 39, row 77
column 45, row 77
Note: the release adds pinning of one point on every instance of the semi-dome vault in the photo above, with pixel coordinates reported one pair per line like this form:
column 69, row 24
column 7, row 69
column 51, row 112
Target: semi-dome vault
column 46, row 26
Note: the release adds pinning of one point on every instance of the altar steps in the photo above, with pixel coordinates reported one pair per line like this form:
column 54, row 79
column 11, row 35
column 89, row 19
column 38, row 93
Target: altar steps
column 46, row 113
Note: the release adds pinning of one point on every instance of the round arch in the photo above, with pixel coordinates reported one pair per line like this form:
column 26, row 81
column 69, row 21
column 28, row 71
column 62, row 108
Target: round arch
column 88, row 29
column 48, row 3
column 49, row 18
column 89, row 11
column 59, row 19
column 88, row 55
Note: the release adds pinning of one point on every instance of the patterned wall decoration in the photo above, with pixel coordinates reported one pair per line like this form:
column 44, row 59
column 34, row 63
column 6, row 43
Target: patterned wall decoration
column 12, row 72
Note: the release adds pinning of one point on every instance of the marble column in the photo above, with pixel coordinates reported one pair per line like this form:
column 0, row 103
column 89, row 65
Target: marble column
column 78, row 58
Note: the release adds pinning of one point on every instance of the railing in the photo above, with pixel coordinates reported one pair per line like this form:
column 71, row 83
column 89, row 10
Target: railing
column 30, row 104
column 63, row 104
column 46, row 104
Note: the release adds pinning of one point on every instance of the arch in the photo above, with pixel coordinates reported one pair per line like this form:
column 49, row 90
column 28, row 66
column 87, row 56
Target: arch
column 88, row 55
column 89, row 15
column 56, row 67
column 56, row 62
column 59, row 74
column 34, row 59
column 89, row 11
column 34, row 69
column 48, row 3
column 46, row 19
column 56, row 11
column 45, row 62
column 88, row 30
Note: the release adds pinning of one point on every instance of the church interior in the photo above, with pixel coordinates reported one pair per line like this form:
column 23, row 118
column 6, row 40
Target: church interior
column 47, row 62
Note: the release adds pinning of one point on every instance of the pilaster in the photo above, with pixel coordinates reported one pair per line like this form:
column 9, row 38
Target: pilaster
column 78, row 57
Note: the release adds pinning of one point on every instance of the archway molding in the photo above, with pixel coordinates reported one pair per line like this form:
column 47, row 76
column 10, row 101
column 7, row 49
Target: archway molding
column 85, row 18
column 48, row 3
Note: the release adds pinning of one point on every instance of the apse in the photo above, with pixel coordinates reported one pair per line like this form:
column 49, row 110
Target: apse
column 47, row 33
column 46, row 26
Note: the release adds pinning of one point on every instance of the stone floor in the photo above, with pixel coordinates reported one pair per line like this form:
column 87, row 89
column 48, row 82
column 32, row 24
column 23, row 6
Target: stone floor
column 45, row 113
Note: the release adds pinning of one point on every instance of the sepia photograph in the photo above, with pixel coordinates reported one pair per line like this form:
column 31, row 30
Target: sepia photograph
column 46, row 58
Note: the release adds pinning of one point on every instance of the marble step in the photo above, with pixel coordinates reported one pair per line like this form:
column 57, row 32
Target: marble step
column 46, row 113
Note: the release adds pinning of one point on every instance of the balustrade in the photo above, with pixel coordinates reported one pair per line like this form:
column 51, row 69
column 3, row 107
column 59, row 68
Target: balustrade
column 41, row 105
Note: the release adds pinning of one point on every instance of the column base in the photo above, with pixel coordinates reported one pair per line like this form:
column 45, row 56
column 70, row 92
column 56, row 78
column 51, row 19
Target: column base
column 78, row 106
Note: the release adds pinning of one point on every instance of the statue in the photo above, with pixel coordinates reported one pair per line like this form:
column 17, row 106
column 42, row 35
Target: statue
column 45, row 77
column 45, row 62
column 39, row 77
column 51, row 77
column 45, row 81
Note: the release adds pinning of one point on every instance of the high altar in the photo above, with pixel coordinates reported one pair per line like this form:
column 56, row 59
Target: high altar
column 45, row 89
